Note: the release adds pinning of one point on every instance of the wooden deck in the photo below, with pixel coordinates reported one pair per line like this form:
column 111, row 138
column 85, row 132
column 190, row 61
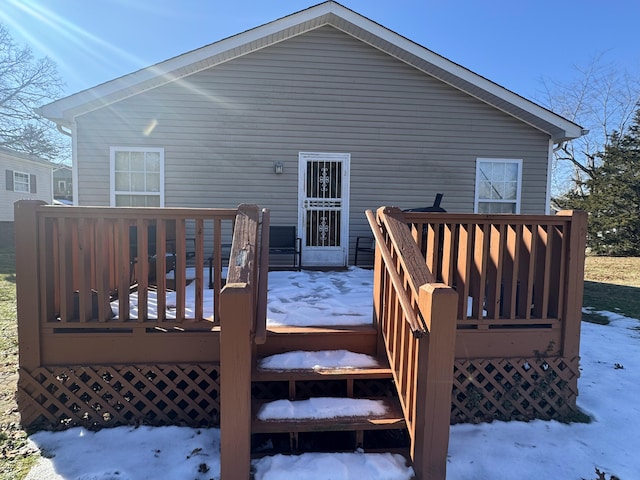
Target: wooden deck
column 476, row 317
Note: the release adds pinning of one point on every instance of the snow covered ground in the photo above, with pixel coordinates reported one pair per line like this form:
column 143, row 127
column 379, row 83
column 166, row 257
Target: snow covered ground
column 609, row 393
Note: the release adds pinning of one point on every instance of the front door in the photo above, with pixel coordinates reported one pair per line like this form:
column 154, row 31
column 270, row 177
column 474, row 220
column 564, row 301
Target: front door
column 323, row 219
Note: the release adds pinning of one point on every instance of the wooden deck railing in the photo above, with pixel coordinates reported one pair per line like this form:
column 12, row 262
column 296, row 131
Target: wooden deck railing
column 416, row 319
column 107, row 336
column 513, row 273
column 492, row 302
column 89, row 257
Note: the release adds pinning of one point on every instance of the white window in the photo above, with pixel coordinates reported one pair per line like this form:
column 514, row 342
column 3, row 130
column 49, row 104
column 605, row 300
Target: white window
column 137, row 177
column 21, row 182
column 498, row 185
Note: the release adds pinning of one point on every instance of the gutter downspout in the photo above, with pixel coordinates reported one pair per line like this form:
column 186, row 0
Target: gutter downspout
column 74, row 170
column 552, row 150
column 74, row 162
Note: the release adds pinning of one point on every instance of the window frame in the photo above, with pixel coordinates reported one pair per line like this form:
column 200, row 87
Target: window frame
column 112, row 174
column 16, row 182
column 517, row 200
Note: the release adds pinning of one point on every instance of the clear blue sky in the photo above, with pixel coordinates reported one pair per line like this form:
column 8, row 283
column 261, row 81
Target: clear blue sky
column 515, row 43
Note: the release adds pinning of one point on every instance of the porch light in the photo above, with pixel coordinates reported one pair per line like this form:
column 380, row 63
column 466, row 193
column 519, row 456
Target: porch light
column 278, row 167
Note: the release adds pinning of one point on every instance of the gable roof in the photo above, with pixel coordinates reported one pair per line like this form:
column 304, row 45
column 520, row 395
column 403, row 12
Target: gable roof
column 331, row 13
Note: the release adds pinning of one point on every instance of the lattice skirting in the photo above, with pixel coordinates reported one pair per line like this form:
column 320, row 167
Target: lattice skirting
column 111, row 395
column 511, row 389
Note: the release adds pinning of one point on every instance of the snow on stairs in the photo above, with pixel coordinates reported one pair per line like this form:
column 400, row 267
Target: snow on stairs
column 325, row 401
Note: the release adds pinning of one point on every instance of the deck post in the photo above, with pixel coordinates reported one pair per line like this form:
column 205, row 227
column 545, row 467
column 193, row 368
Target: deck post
column 27, row 282
column 438, row 304
column 236, row 320
column 574, row 287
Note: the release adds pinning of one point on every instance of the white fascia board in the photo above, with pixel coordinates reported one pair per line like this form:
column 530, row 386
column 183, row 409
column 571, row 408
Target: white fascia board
column 56, row 110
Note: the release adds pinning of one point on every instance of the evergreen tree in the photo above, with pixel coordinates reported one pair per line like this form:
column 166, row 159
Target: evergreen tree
column 612, row 196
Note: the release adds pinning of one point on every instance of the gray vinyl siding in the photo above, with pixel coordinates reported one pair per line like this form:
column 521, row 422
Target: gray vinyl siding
column 410, row 136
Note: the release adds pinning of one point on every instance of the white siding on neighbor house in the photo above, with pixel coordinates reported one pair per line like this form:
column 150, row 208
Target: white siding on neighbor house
column 410, row 136
column 38, row 171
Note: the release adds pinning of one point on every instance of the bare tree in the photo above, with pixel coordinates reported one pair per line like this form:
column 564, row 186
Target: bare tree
column 27, row 83
column 602, row 99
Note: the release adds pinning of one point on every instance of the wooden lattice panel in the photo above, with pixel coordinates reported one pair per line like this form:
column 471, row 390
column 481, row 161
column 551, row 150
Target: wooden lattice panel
column 107, row 396
column 510, row 389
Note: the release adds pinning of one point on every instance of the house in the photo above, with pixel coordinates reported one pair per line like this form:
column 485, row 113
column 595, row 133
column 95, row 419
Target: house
column 317, row 116
column 27, row 177
column 63, row 184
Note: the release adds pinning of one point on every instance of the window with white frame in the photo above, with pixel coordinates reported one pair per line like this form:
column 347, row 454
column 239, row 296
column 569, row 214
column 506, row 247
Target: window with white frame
column 21, row 182
column 137, row 177
column 498, row 185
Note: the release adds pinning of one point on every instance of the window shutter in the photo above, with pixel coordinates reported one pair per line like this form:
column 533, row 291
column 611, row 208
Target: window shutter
column 32, row 183
column 9, row 176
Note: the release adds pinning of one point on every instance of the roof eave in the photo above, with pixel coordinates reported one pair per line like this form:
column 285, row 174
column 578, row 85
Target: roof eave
column 64, row 111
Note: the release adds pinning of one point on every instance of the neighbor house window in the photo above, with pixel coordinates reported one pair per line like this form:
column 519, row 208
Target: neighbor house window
column 498, row 185
column 21, row 182
column 137, row 177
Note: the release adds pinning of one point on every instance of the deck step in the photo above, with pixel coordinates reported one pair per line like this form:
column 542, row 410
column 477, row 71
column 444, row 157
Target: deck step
column 322, row 374
column 322, row 365
column 353, row 390
column 360, row 338
column 391, row 419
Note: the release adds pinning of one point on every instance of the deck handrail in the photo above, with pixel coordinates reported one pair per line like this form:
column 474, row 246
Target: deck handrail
column 415, row 317
column 263, row 285
column 417, row 324
column 242, row 304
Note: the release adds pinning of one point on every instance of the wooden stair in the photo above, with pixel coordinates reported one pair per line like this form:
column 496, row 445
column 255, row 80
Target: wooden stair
column 385, row 432
column 392, row 419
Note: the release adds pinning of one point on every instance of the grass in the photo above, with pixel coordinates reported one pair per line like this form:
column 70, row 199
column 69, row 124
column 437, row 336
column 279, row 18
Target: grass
column 611, row 284
column 16, row 458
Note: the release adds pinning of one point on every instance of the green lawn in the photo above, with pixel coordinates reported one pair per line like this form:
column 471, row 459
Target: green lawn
column 612, row 284
column 15, row 458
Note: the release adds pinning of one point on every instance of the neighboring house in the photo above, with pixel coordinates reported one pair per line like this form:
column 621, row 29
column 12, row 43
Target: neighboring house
column 318, row 115
column 63, row 184
column 26, row 177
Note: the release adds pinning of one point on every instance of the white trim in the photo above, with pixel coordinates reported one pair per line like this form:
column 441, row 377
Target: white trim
column 74, row 164
column 547, row 208
column 112, row 190
column 28, row 175
column 518, row 186
column 325, row 258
